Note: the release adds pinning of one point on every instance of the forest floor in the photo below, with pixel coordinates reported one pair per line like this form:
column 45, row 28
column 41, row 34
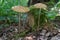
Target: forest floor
column 41, row 35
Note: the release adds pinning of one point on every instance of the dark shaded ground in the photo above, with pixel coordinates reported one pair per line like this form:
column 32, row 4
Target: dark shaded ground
column 57, row 21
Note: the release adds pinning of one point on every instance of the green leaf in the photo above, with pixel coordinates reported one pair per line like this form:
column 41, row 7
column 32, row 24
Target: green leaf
column 24, row 2
column 51, row 15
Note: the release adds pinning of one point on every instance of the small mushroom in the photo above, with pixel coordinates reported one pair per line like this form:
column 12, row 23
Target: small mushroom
column 40, row 6
column 21, row 10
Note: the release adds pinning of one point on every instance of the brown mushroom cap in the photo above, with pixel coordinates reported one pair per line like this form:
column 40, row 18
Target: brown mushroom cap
column 20, row 9
column 40, row 5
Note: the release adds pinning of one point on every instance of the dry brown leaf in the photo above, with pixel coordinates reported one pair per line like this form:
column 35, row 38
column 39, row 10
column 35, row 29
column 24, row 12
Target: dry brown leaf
column 31, row 20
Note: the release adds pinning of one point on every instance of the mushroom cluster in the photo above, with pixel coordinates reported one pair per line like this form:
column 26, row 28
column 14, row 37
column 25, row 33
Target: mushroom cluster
column 22, row 9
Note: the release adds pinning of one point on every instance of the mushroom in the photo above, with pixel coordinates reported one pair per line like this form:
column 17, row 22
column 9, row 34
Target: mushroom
column 21, row 10
column 40, row 6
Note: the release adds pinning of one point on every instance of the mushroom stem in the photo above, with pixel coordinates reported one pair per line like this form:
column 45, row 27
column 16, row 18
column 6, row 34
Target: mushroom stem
column 39, row 18
column 19, row 21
